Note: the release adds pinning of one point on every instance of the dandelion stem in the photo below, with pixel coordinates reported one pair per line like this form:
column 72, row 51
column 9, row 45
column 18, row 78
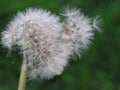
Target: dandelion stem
column 23, row 76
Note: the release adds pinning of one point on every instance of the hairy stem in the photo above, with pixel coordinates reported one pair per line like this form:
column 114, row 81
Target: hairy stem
column 23, row 76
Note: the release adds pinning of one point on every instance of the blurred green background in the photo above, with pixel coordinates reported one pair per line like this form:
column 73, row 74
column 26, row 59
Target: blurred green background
column 99, row 67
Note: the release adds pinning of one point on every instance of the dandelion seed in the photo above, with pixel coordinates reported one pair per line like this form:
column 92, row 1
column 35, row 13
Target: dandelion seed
column 97, row 23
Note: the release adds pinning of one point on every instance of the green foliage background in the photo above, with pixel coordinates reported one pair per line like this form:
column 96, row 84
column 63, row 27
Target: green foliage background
column 99, row 67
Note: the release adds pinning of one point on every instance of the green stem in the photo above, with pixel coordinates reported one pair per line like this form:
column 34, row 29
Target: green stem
column 23, row 76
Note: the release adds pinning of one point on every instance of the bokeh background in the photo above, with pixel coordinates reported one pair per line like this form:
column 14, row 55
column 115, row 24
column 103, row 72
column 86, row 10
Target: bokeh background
column 97, row 69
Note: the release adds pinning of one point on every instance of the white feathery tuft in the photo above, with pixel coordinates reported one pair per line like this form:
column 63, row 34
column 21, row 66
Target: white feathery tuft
column 78, row 29
column 38, row 34
column 97, row 23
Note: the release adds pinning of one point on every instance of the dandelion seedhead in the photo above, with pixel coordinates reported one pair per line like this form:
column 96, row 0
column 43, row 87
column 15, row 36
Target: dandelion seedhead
column 45, row 42
column 38, row 33
column 78, row 29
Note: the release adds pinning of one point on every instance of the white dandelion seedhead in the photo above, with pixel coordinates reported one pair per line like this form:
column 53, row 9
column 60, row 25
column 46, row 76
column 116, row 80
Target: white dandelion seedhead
column 78, row 29
column 37, row 33
column 45, row 42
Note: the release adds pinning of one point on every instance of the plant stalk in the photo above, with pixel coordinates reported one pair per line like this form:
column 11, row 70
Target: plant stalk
column 23, row 76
